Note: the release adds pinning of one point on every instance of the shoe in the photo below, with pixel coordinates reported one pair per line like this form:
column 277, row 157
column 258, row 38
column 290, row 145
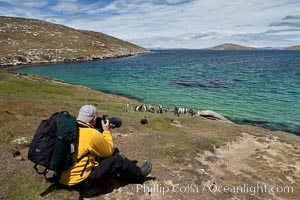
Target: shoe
column 146, row 169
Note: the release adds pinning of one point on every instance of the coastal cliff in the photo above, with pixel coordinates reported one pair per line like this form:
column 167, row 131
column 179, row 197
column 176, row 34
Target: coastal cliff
column 29, row 41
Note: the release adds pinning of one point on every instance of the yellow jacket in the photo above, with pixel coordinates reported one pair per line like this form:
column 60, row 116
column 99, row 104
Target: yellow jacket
column 89, row 141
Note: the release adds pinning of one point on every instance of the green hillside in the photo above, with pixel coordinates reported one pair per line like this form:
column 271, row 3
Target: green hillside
column 25, row 41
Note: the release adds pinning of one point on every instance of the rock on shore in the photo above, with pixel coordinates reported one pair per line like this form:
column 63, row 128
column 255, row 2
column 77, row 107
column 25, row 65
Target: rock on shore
column 212, row 115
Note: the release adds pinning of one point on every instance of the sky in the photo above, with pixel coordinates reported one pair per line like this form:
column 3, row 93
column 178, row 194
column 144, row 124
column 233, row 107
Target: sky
column 193, row 24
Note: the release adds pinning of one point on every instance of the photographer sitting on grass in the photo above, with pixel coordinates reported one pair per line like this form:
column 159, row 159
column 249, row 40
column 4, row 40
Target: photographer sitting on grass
column 101, row 165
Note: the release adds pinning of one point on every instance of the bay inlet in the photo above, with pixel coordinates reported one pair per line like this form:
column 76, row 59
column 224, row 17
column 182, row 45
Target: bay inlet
column 248, row 87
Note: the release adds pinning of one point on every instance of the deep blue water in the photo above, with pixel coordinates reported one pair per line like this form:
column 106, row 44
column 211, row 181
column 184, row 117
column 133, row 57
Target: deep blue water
column 249, row 87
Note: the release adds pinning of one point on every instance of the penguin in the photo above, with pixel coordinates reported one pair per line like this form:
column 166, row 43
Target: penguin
column 144, row 120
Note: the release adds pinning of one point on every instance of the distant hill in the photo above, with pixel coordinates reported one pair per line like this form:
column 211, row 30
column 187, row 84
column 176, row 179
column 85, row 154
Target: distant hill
column 230, row 46
column 292, row 48
column 25, row 41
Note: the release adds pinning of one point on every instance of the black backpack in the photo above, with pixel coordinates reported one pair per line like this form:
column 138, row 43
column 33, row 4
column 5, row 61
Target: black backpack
column 52, row 146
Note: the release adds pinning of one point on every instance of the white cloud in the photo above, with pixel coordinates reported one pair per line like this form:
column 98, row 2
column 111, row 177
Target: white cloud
column 175, row 23
column 65, row 6
column 26, row 3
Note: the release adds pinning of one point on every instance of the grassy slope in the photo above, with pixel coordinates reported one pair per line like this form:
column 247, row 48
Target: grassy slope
column 26, row 100
column 36, row 40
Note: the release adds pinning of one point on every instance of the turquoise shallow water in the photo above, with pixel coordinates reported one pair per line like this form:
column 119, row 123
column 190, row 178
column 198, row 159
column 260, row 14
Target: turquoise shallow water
column 249, row 87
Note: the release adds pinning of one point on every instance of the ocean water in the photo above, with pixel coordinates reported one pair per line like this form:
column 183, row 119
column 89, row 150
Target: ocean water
column 249, row 87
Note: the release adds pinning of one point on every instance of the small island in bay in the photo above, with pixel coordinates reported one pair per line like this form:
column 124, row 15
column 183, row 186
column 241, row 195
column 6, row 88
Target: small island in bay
column 230, row 46
column 296, row 47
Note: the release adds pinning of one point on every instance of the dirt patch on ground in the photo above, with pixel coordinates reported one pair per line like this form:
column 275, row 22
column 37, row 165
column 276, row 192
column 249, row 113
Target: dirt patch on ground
column 262, row 167
column 249, row 167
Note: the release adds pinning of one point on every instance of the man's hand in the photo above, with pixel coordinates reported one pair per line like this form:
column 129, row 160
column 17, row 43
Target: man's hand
column 105, row 124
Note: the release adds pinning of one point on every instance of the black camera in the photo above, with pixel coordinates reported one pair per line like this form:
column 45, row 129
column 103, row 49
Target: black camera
column 116, row 121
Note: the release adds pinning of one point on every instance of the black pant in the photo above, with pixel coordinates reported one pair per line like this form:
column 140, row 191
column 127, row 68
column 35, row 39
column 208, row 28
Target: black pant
column 112, row 173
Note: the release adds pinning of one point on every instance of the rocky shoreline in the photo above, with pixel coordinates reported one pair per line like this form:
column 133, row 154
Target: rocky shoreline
column 35, row 61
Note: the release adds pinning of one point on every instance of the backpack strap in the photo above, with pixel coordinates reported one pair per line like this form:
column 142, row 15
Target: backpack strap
column 54, row 184
column 51, row 188
column 77, row 160
column 44, row 172
column 55, row 179
column 87, row 162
